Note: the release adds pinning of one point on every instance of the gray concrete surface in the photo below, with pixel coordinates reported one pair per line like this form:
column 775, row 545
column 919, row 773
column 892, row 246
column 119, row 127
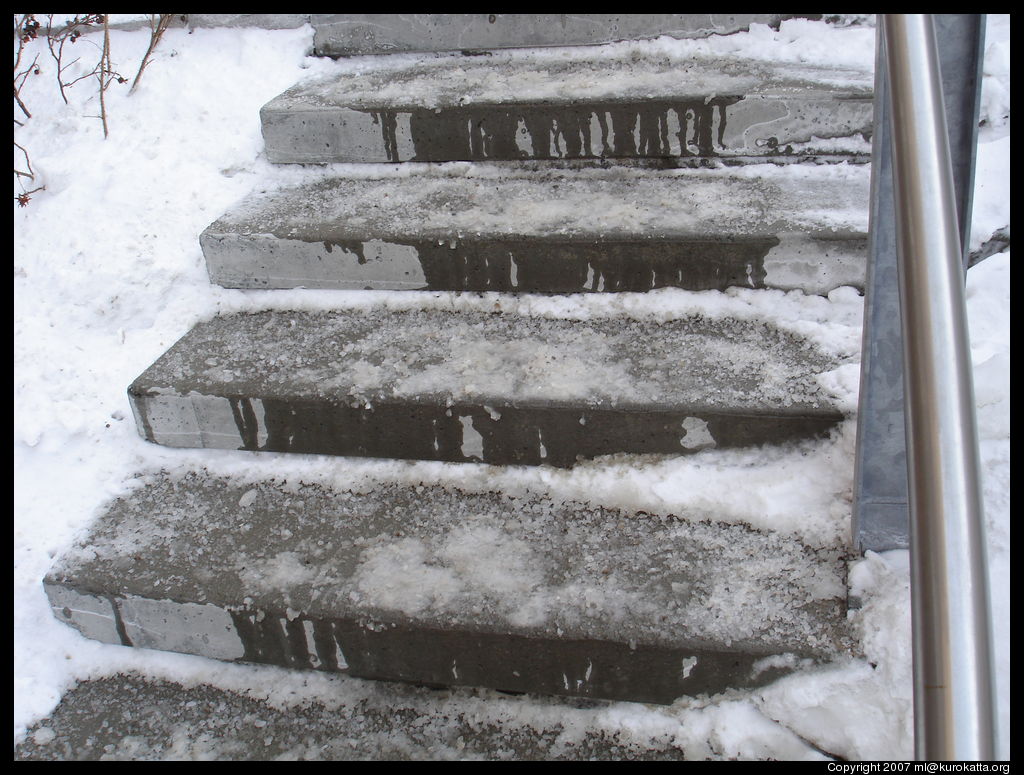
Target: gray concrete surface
column 267, row 21
column 446, row 588
column 472, row 387
column 548, row 231
column 728, row 127
column 131, row 718
column 379, row 33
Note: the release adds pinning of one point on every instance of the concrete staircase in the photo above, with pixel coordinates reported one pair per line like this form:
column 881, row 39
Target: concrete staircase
column 580, row 173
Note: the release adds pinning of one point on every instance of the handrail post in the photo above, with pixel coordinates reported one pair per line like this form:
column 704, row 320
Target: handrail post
column 953, row 691
column 881, row 510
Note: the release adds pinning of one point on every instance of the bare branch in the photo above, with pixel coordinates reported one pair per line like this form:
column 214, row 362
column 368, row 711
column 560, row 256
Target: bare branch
column 28, row 162
column 23, row 198
column 27, row 30
column 58, row 37
column 158, row 24
column 21, row 104
column 997, row 243
column 104, row 68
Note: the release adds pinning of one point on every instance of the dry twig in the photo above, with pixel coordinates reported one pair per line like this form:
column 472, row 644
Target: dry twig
column 158, row 24
column 28, row 30
column 25, row 196
column 103, row 69
column 31, row 175
column 58, row 38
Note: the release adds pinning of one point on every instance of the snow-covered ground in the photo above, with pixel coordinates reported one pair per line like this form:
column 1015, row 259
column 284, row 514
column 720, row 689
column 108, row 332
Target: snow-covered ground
column 108, row 273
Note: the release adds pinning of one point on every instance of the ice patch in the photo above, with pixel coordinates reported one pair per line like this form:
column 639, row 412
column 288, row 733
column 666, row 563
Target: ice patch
column 688, row 664
column 472, row 441
column 696, row 434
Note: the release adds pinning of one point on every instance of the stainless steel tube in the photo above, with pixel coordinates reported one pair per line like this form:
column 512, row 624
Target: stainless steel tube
column 953, row 690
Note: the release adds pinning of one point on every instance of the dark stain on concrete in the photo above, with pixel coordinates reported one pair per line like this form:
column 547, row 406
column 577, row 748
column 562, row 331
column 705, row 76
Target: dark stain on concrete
column 122, row 633
column 388, row 121
column 139, row 401
column 560, row 131
column 540, row 435
column 245, row 421
column 272, row 639
column 576, row 668
column 547, row 266
column 326, row 645
column 432, row 656
column 543, row 265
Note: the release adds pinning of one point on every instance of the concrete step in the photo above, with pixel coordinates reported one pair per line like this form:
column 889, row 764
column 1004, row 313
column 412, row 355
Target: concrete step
column 641, row 103
column 476, row 387
column 383, row 33
column 446, row 588
column 130, row 718
column 134, row 718
column 462, row 227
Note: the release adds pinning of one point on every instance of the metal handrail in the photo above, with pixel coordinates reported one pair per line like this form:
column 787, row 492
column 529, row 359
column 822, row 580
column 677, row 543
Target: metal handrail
column 953, row 685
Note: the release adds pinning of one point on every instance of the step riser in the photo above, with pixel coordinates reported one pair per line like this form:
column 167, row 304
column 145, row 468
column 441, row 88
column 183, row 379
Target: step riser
column 353, row 34
column 724, row 127
column 458, row 434
column 393, row 652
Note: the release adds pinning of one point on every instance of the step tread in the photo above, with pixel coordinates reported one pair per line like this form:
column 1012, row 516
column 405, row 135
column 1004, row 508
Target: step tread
column 501, row 360
column 353, row 34
column 457, row 202
column 135, row 718
column 194, row 563
column 651, row 73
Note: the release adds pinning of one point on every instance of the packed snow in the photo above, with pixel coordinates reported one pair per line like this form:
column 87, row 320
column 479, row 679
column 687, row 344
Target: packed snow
column 108, row 274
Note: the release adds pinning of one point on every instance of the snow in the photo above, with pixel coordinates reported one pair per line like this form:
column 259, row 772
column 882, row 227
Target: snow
column 108, row 274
